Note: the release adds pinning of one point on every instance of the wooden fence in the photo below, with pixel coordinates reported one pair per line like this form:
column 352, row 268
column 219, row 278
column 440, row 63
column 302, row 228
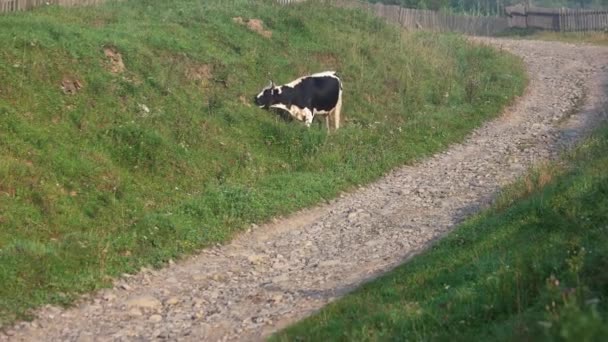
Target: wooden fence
column 23, row 5
column 288, row 2
column 431, row 20
column 557, row 19
column 517, row 16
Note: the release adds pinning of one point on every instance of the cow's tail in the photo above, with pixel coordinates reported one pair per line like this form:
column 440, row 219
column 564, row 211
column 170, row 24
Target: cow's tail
column 337, row 112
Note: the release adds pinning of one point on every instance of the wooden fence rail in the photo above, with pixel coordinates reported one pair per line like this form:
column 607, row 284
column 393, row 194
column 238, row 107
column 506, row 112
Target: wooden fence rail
column 431, row 20
column 517, row 16
column 557, row 19
column 24, row 5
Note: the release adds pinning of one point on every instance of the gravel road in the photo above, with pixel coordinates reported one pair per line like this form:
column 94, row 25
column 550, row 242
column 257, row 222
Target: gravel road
column 278, row 273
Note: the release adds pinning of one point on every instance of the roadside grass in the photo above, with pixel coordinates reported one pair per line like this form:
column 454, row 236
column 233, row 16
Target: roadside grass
column 533, row 267
column 595, row 38
column 137, row 167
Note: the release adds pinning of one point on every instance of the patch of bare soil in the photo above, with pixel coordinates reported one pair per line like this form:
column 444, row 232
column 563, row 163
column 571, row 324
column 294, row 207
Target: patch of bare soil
column 201, row 73
column 328, row 60
column 255, row 25
column 116, row 64
column 71, row 85
column 278, row 273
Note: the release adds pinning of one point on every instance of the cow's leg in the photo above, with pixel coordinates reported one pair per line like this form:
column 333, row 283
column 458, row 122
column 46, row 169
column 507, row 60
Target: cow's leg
column 337, row 111
column 308, row 116
column 327, row 121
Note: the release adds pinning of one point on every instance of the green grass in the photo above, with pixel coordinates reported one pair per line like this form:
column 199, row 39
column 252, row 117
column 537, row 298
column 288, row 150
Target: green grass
column 531, row 268
column 92, row 185
column 595, row 38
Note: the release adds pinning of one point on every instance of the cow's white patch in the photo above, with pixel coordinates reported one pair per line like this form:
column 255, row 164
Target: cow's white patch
column 280, row 106
column 324, row 73
column 295, row 82
column 260, row 94
column 269, row 86
column 301, row 114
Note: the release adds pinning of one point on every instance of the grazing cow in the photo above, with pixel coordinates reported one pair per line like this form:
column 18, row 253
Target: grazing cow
column 316, row 94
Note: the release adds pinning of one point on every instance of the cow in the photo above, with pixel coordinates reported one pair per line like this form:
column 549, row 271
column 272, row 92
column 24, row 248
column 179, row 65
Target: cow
column 306, row 97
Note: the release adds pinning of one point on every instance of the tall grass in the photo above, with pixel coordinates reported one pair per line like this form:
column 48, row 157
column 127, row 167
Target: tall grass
column 170, row 156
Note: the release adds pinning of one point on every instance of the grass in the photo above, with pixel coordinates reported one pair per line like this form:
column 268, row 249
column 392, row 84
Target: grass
column 595, row 38
column 135, row 168
column 531, row 268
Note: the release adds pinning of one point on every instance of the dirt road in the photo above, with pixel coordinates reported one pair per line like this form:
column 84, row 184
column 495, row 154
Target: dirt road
column 283, row 271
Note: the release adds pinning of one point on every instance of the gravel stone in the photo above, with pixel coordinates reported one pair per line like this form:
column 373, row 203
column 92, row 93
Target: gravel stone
column 144, row 302
column 156, row 318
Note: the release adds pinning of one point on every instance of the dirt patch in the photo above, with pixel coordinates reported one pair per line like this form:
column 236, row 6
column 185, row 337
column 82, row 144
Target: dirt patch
column 201, row 73
column 255, row 25
column 244, row 101
column 327, row 60
column 71, row 85
column 98, row 23
column 116, row 64
column 239, row 20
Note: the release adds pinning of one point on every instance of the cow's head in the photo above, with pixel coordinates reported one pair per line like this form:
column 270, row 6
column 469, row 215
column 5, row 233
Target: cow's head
column 266, row 97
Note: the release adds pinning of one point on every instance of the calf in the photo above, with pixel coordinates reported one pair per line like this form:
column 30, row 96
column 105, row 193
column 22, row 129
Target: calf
column 316, row 94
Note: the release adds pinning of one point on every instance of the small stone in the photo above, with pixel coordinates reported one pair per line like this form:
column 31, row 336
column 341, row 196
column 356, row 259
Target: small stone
column 280, row 278
column 255, row 258
column 144, row 302
column 109, row 296
column 135, row 312
column 84, row 337
column 156, row 318
column 125, row 287
column 172, row 301
column 329, row 263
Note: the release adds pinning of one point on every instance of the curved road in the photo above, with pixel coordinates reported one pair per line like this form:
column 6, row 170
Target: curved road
column 281, row 272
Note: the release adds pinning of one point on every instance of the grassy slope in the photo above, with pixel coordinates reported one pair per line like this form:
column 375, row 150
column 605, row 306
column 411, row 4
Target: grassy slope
column 91, row 185
column 534, row 267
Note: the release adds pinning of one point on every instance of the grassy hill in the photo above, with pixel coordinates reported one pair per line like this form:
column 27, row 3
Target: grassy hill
column 128, row 136
column 532, row 268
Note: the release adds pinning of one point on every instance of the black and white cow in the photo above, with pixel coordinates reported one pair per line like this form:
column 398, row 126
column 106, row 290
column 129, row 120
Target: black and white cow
column 316, row 94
